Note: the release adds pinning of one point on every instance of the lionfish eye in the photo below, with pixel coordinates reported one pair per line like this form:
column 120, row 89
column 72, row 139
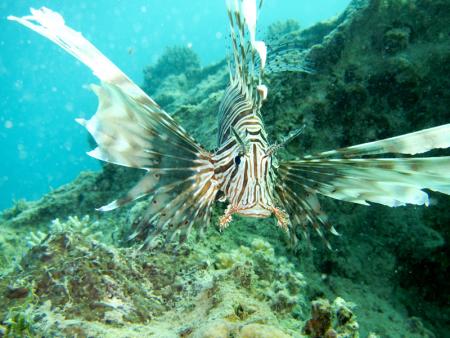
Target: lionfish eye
column 237, row 160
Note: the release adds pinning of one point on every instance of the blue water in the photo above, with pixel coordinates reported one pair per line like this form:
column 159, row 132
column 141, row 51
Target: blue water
column 42, row 88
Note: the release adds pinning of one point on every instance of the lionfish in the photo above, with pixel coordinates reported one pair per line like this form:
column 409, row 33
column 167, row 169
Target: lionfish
column 183, row 179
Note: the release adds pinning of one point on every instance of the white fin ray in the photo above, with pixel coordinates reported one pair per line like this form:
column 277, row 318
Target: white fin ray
column 249, row 11
column 413, row 143
column 51, row 25
column 126, row 117
column 132, row 130
column 389, row 181
column 303, row 208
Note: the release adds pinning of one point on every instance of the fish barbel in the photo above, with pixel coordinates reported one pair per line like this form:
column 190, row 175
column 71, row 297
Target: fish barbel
column 183, row 179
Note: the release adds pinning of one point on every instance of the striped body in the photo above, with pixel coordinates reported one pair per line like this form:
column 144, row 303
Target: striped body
column 245, row 179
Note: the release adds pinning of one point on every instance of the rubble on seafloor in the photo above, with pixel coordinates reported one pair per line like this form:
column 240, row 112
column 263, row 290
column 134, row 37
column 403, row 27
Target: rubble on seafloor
column 69, row 283
column 379, row 70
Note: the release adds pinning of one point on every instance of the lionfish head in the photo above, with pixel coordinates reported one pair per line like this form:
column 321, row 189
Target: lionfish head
column 249, row 187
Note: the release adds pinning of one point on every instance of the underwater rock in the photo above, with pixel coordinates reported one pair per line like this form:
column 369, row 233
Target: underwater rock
column 261, row 331
column 280, row 28
column 174, row 61
column 222, row 329
column 70, row 282
column 331, row 320
column 275, row 278
column 218, row 329
column 84, row 279
column 358, row 92
column 396, row 39
column 80, row 197
column 320, row 323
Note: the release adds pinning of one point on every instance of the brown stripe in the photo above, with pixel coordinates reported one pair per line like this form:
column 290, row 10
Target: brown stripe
column 232, row 175
column 224, row 168
column 264, row 137
column 240, row 116
column 227, row 147
column 256, row 140
column 204, row 189
column 250, row 123
column 266, row 166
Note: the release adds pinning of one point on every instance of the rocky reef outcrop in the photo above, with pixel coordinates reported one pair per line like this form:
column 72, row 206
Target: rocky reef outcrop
column 71, row 283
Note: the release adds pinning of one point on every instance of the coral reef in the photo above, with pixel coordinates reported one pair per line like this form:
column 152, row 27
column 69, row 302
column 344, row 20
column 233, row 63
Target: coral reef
column 70, row 283
column 257, row 266
column 280, row 29
column 78, row 198
column 379, row 72
column 380, row 69
column 174, row 61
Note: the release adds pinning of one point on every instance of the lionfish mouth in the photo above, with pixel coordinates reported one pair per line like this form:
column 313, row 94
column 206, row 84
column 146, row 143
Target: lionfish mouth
column 256, row 211
column 261, row 211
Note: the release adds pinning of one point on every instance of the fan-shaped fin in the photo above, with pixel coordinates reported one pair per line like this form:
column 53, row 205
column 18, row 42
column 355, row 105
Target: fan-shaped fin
column 132, row 130
column 389, row 181
column 392, row 182
column 303, row 209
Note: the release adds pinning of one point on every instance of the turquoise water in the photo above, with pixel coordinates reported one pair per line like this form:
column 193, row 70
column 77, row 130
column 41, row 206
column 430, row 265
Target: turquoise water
column 42, row 87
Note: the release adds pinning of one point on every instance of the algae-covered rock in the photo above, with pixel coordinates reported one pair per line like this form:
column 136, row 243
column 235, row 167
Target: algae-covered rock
column 88, row 191
column 274, row 278
column 174, row 61
column 70, row 282
column 331, row 320
column 379, row 70
column 79, row 198
column 280, row 28
column 82, row 279
column 261, row 331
